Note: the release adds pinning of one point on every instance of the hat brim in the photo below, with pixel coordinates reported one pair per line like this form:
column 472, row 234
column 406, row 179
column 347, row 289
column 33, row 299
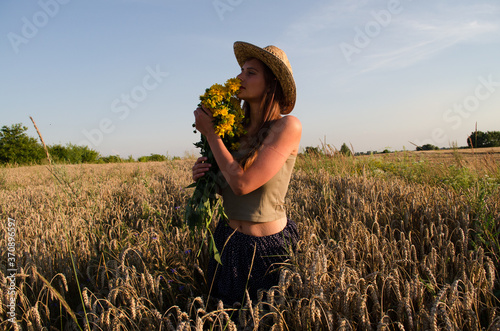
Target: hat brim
column 244, row 51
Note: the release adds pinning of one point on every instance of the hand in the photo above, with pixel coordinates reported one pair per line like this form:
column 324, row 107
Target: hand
column 204, row 120
column 200, row 168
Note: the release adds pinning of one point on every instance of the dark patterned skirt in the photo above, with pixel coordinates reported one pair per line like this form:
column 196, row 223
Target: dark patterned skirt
column 248, row 262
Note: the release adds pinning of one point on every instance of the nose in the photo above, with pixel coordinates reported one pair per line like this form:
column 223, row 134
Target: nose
column 240, row 76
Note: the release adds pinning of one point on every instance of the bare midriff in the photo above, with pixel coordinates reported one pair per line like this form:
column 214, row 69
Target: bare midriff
column 258, row 229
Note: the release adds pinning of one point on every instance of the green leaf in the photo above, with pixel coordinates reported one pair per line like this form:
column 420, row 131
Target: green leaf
column 213, row 248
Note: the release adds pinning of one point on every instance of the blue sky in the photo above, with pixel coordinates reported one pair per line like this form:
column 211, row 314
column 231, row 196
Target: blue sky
column 124, row 76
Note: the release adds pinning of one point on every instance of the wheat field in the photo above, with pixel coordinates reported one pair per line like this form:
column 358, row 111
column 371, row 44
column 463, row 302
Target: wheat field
column 387, row 244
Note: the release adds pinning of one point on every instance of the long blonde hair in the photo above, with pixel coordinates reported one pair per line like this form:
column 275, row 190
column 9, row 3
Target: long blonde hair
column 273, row 103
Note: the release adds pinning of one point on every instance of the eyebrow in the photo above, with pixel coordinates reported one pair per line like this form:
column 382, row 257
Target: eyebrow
column 253, row 68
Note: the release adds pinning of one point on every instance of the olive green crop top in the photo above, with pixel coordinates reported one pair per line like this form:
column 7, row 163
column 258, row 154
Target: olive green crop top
column 265, row 204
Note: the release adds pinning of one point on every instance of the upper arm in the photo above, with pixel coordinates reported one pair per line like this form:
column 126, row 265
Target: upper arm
column 282, row 140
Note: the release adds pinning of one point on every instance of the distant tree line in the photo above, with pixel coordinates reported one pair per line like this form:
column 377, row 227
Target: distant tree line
column 427, row 147
column 316, row 151
column 16, row 147
column 479, row 139
column 476, row 139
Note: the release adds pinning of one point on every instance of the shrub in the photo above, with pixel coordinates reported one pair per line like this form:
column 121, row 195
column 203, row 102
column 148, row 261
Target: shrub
column 17, row 147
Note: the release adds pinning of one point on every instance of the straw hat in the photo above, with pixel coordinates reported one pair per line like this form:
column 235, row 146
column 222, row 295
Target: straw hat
column 277, row 61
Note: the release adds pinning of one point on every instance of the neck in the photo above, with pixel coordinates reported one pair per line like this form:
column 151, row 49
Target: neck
column 256, row 114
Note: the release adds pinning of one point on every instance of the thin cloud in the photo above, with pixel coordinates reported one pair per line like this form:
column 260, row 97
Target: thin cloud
column 323, row 19
column 413, row 35
column 423, row 40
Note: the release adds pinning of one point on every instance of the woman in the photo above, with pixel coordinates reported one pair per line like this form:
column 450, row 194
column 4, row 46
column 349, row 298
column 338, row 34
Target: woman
column 258, row 235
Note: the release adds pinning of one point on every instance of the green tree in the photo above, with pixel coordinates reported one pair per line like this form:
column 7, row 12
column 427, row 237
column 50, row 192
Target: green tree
column 484, row 139
column 88, row 155
column 111, row 159
column 58, row 153
column 313, row 151
column 157, row 157
column 427, row 147
column 73, row 154
column 152, row 157
column 344, row 150
column 17, row 147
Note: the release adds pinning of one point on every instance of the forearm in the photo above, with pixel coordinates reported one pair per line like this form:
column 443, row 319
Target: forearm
column 230, row 168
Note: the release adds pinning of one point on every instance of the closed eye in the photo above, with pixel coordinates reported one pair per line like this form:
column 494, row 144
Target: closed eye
column 250, row 70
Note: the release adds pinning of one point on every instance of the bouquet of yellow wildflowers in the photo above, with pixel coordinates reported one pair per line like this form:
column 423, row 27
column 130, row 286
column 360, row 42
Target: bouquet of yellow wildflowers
column 228, row 124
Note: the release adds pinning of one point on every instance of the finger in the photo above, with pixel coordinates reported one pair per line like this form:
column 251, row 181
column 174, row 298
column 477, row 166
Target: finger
column 200, row 168
column 206, row 111
column 203, row 169
column 198, row 175
column 200, row 110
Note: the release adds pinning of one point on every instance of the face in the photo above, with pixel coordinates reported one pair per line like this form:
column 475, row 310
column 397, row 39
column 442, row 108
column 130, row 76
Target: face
column 253, row 83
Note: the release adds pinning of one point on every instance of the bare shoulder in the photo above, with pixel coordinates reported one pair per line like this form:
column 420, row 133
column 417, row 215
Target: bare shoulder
column 285, row 135
column 290, row 124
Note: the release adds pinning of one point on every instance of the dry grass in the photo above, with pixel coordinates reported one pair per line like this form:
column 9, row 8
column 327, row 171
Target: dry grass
column 480, row 159
column 385, row 246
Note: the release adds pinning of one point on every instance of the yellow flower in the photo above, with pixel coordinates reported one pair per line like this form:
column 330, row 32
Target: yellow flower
column 226, row 110
column 228, row 124
column 217, row 89
column 233, row 85
column 221, row 111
